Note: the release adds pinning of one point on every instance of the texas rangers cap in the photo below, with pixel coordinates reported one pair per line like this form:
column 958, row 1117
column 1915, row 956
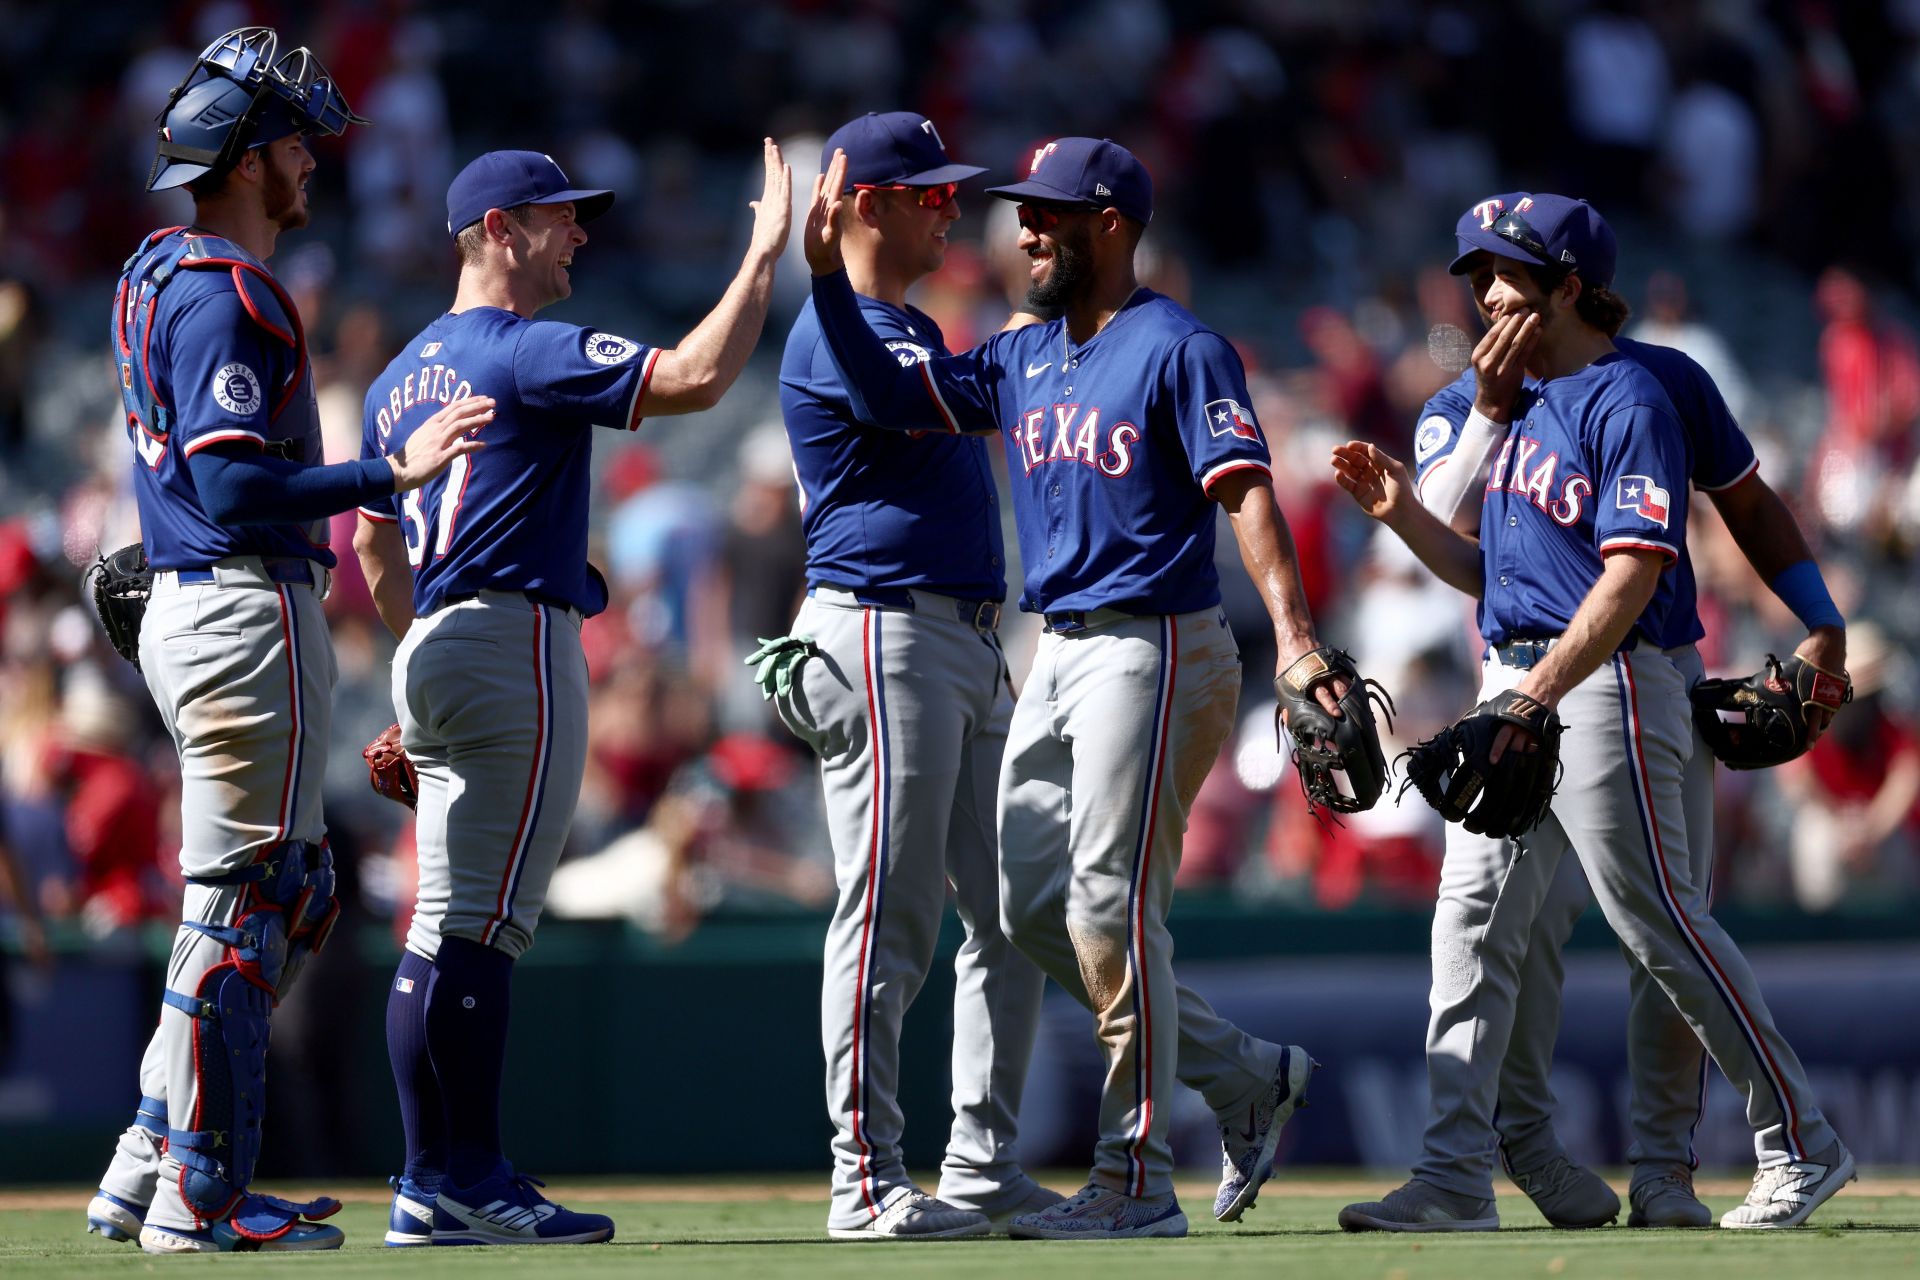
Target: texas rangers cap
column 1097, row 173
column 506, row 179
column 894, row 148
column 1546, row 230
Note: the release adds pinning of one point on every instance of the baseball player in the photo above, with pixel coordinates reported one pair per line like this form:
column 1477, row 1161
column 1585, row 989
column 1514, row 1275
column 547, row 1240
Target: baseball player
column 1126, row 422
column 1454, row 446
column 233, row 510
column 1587, row 607
column 484, row 575
column 907, row 704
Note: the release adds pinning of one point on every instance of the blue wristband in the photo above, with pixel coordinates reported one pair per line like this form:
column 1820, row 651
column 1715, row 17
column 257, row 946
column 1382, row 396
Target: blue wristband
column 1802, row 589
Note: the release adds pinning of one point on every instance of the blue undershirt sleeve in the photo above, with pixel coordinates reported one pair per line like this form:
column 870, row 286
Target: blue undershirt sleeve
column 245, row 486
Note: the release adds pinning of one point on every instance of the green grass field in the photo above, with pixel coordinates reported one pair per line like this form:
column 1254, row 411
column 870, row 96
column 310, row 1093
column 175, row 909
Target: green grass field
column 774, row 1228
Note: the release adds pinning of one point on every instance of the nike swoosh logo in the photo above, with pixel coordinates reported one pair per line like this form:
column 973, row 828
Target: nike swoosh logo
column 1035, row 369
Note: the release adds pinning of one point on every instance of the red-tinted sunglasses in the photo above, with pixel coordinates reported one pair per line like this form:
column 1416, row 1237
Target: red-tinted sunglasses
column 934, row 197
column 1039, row 218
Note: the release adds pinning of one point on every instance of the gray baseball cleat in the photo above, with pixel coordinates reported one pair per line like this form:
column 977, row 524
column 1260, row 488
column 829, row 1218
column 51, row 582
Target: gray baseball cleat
column 1785, row 1195
column 1665, row 1199
column 1101, row 1213
column 1035, row 1201
column 1568, row 1195
column 1246, row 1148
column 915, row 1215
column 1420, row 1206
column 114, row 1218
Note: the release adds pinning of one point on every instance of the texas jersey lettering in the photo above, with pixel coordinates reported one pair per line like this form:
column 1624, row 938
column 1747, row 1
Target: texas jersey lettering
column 512, row 517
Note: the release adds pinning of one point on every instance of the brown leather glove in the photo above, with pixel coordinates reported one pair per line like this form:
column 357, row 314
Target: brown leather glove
column 389, row 771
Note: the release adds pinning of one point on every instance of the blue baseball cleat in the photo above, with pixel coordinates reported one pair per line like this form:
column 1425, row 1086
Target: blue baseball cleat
column 410, row 1221
column 1246, row 1159
column 114, row 1218
column 506, row 1209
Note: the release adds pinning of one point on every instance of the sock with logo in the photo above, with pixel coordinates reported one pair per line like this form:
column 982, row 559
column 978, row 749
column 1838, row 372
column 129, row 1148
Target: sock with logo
column 422, row 1114
column 466, row 1028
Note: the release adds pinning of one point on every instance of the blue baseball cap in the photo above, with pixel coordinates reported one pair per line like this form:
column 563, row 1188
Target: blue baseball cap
column 506, row 179
column 894, row 148
column 1546, row 230
column 1097, row 173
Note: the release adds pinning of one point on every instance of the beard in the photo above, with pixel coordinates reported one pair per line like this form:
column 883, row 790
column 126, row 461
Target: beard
column 1069, row 277
column 280, row 194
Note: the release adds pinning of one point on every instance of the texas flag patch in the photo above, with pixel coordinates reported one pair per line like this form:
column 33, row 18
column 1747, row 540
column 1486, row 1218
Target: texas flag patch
column 1640, row 495
column 1227, row 417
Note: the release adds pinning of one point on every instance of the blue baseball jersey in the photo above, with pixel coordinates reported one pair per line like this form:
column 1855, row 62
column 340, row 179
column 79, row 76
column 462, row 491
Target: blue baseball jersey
column 210, row 353
column 1721, row 453
column 513, row 516
column 1112, row 445
column 881, row 511
column 1593, row 462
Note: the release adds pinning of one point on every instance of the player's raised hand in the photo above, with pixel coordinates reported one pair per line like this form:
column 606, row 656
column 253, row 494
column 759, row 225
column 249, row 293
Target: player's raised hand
column 1377, row 480
column 1825, row 648
column 821, row 238
column 434, row 445
column 773, row 211
column 1500, row 363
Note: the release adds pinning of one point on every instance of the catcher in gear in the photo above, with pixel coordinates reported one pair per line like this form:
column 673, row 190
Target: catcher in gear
column 1769, row 717
column 1325, row 744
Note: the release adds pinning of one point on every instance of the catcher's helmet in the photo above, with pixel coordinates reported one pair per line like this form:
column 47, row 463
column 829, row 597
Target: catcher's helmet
column 240, row 95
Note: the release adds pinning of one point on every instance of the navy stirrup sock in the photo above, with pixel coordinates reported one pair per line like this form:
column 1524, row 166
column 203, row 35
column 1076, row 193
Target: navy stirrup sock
column 466, row 1026
column 422, row 1112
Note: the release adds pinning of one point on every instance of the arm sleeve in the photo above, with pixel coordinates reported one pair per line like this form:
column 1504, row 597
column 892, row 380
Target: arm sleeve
column 240, row 487
column 1641, row 491
column 1206, row 388
column 952, row 394
column 384, row 509
column 224, row 373
column 583, row 373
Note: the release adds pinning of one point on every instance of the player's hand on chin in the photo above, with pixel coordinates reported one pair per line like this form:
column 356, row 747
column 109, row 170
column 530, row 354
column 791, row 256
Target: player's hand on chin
column 821, row 237
column 773, row 211
column 1500, row 363
column 439, row 440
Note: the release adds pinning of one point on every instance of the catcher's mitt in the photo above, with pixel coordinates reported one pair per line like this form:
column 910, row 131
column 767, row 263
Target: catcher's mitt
column 1323, row 745
column 1769, row 710
column 1455, row 773
column 122, row 584
column 390, row 771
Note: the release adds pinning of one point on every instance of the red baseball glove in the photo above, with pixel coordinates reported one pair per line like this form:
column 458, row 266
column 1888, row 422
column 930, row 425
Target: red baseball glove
column 389, row 771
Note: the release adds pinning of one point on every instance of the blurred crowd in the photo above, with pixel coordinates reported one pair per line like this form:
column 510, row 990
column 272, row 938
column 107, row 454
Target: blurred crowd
column 1760, row 159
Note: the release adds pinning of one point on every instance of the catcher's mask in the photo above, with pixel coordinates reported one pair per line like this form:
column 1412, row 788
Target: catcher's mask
column 243, row 93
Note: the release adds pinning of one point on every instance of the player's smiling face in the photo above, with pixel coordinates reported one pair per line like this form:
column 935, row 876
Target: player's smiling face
column 916, row 234
column 546, row 242
column 1504, row 287
column 1058, row 239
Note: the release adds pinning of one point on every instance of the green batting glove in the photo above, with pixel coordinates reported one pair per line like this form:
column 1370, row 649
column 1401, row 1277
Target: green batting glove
column 776, row 660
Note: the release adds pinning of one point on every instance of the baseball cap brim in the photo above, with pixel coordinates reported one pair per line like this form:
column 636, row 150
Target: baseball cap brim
column 934, row 177
column 1031, row 190
column 587, row 205
column 1477, row 240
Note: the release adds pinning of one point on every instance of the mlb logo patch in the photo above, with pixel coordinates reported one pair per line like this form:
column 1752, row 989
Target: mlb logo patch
column 429, row 351
column 1640, row 495
column 404, row 986
column 1227, row 417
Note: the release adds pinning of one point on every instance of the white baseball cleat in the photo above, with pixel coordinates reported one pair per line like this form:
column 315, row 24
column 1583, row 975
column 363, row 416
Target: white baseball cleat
column 1785, row 1195
column 1246, row 1152
column 222, row 1238
column 1100, row 1213
column 114, row 1218
column 1040, row 1198
column 915, row 1215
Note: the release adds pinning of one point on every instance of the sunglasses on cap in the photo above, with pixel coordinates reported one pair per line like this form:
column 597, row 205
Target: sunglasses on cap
column 1039, row 218
column 938, row 196
column 1516, row 230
